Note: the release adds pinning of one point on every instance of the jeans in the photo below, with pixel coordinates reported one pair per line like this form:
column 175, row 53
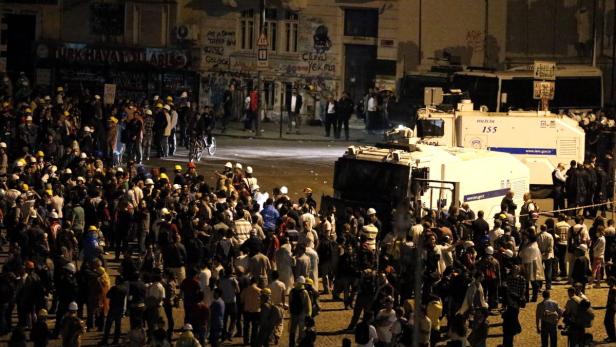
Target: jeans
column 230, row 315
column 295, row 121
column 330, row 121
column 172, row 142
column 251, row 327
column 296, row 328
column 608, row 322
column 165, row 146
column 548, row 266
column 146, row 147
column 113, row 318
column 561, row 254
column 548, row 332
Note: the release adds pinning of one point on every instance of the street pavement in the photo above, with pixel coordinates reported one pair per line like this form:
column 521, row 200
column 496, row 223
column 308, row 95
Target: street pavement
column 308, row 162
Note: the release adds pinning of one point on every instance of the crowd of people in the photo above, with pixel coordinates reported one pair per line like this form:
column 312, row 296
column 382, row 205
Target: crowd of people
column 231, row 261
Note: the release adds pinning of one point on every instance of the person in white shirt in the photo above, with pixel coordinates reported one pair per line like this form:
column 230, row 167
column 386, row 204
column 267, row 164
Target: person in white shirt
column 330, row 117
column 372, row 113
column 496, row 232
column 598, row 256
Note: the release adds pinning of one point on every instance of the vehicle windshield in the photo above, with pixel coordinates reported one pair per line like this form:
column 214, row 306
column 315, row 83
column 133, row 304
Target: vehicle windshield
column 362, row 180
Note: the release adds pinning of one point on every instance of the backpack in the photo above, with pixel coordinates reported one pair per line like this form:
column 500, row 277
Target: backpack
column 362, row 333
column 489, row 271
column 574, row 241
column 295, row 301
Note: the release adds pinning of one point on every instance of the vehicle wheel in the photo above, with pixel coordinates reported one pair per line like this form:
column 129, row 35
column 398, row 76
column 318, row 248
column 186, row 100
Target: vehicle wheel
column 211, row 149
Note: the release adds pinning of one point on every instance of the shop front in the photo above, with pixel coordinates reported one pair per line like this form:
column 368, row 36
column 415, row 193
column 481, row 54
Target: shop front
column 138, row 73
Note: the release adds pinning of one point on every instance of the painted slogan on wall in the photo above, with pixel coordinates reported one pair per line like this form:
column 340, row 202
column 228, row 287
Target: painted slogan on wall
column 219, row 44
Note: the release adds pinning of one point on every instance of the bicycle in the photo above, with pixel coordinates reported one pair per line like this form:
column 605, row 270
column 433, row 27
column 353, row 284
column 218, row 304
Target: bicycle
column 198, row 145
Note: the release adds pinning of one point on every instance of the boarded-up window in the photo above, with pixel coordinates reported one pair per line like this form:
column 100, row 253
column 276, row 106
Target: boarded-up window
column 153, row 27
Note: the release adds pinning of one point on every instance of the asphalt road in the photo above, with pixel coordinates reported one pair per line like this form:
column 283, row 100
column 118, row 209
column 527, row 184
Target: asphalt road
column 310, row 164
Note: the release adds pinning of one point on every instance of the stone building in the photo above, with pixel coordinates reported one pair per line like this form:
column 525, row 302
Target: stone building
column 322, row 47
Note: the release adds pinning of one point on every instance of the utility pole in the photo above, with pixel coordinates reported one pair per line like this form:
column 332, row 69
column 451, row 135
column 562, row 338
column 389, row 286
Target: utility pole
column 259, row 82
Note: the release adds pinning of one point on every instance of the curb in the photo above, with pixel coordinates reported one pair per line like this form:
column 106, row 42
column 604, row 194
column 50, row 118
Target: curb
column 286, row 139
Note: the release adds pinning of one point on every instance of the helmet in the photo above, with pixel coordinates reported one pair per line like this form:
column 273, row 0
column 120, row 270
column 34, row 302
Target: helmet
column 309, row 191
column 301, row 280
column 177, row 186
column 178, row 167
column 228, row 165
column 187, row 327
column 167, row 107
column 309, row 281
column 159, row 105
column 70, row 267
column 371, row 211
column 93, row 228
column 489, row 250
column 149, row 182
column 72, row 306
column 249, row 169
column 54, row 215
column 2, row 144
column 508, row 253
column 148, row 112
column 583, row 247
column 468, row 244
column 238, row 166
column 165, row 211
column 42, row 313
column 163, row 176
column 266, row 291
column 83, row 155
column 40, row 154
column 284, row 190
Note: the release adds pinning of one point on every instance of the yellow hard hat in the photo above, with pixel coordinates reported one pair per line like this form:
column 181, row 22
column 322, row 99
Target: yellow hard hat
column 42, row 313
column 266, row 291
column 66, row 113
column 28, row 110
column 93, row 228
column 170, row 98
column 40, row 154
column 163, row 176
column 309, row 281
column 25, row 187
column 178, row 167
column 21, row 162
column 159, row 105
column 49, row 191
column 113, row 120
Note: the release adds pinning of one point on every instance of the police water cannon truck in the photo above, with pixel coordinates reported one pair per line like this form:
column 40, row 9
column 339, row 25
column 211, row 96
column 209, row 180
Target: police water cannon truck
column 437, row 177
column 539, row 139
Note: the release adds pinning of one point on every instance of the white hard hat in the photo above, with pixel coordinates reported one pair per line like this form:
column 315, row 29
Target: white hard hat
column 228, row 165
column 68, row 171
column 371, row 211
column 70, row 267
column 167, row 107
column 249, row 169
column 2, row 145
column 468, row 244
column 86, row 129
column 72, row 306
column 97, row 97
column 184, row 94
column 81, row 179
column 149, row 182
column 284, row 190
column 508, row 253
column 187, row 327
column 177, row 186
column 54, row 215
column 83, row 155
column 489, row 250
column 238, row 166
column 148, row 112
column 301, row 280
column 583, row 247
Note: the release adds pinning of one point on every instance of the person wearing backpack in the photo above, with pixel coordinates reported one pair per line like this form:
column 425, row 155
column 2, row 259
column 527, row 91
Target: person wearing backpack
column 300, row 307
column 491, row 274
column 578, row 234
column 547, row 315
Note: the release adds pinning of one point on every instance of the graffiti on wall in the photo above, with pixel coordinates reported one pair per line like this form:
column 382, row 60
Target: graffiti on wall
column 318, row 62
column 475, row 40
column 322, row 42
column 218, row 46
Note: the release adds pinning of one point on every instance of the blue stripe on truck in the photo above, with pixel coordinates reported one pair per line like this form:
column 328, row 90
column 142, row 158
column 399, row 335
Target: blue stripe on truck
column 518, row 150
column 486, row 195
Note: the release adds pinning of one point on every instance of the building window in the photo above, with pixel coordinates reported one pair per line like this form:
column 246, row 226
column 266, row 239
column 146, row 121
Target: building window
column 269, row 89
column 247, row 30
column 106, row 19
column 291, row 25
column 271, row 27
column 361, row 22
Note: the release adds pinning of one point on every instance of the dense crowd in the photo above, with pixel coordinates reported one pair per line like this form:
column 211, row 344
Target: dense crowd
column 236, row 261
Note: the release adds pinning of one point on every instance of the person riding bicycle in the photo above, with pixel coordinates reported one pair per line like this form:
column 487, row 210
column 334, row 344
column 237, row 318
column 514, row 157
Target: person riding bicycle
column 205, row 125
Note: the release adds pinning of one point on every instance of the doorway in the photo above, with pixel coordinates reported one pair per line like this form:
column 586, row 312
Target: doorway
column 20, row 37
column 360, row 61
